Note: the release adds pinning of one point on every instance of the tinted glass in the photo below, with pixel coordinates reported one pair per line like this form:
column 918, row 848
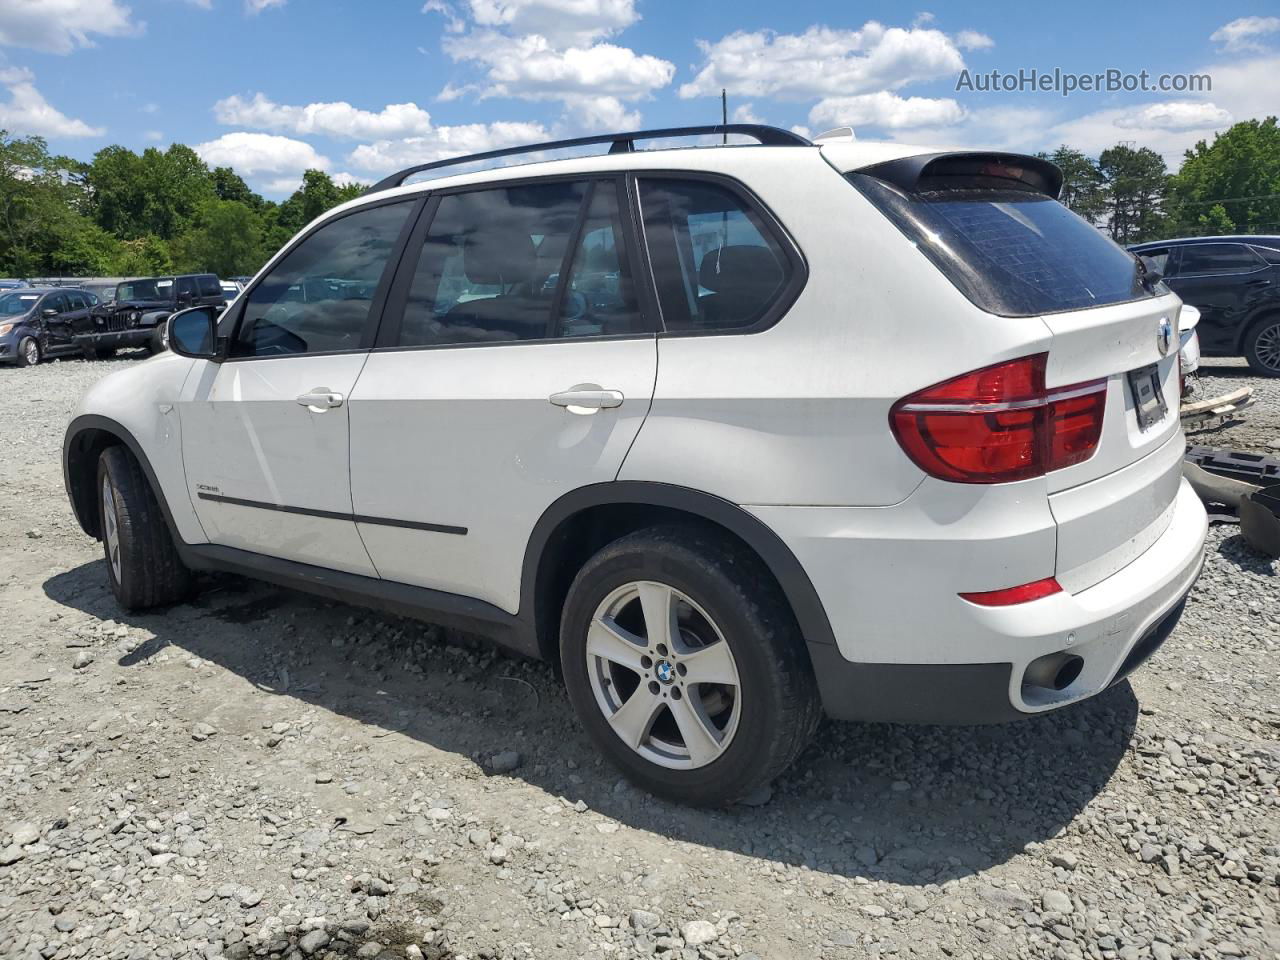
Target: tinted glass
column 317, row 298
column 157, row 289
column 1157, row 260
column 1200, row 258
column 209, row 286
column 77, row 301
column 1012, row 252
column 490, row 265
column 186, row 287
column 57, row 301
column 13, row 304
column 715, row 264
column 600, row 297
column 1269, row 254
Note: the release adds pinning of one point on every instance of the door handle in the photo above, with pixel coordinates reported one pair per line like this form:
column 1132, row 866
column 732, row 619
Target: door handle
column 586, row 398
column 320, row 399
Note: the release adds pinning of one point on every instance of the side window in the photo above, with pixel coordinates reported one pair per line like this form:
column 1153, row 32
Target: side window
column 77, row 301
column 490, row 265
column 57, row 301
column 317, row 298
column 1157, row 260
column 186, row 288
column 716, row 265
column 600, row 298
column 1215, row 258
column 209, row 286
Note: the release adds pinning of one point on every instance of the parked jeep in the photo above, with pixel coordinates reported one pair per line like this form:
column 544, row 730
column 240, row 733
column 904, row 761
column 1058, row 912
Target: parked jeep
column 137, row 315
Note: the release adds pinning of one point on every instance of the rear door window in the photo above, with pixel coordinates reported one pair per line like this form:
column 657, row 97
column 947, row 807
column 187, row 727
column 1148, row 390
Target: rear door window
column 1013, row 252
column 1208, row 259
column 717, row 266
column 209, row 286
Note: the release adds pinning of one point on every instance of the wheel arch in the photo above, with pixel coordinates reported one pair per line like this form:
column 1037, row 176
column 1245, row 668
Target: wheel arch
column 584, row 520
column 1270, row 310
column 86, row 437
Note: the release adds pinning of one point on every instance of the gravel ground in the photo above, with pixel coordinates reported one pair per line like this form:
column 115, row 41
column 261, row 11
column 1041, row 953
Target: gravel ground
column 263, row 774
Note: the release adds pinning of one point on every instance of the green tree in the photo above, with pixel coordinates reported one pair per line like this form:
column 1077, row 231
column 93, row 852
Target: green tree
column 226, row 239
column 229, row 185
column 1231, row 185
column 1136, row 184
column 154, row 193
column 1084, row 189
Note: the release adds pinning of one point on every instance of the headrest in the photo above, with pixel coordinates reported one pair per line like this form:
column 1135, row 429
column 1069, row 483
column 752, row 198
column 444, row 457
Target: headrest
column 741, row 267
column 493, row 256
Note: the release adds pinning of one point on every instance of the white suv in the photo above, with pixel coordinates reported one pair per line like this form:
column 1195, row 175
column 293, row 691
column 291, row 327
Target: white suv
column 732, row 435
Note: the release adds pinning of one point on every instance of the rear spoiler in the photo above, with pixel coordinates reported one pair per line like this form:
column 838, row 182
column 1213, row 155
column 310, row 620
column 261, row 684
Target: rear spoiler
column 935, row 171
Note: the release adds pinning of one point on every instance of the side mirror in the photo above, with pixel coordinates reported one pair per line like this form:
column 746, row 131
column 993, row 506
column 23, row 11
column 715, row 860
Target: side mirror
column 48, row 313
column 194, row 333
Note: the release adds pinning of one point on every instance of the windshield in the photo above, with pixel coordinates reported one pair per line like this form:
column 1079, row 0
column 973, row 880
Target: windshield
column 12, row 304
column 161, row 289
column 1013, row 252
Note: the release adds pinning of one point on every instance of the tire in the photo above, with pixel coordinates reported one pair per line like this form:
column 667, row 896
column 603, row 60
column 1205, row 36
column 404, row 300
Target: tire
column 1262, row 346
column 29, row 352
column 98, row 353
column 143, row 566
column 758, row 725
column 159, row 340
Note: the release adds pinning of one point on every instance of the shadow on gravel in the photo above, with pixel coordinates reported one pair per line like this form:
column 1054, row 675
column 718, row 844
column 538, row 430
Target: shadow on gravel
column 1239, row 553
column 911, row 805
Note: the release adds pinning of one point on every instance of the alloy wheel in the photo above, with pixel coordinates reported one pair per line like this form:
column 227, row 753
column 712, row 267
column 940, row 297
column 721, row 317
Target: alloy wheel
column 31, row 352
column 1267, row 346
column 663, row 675
column 111, row 528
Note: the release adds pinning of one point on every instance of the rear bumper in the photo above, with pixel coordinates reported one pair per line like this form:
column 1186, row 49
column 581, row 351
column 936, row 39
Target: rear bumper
column 918, row 653
column 136, row 337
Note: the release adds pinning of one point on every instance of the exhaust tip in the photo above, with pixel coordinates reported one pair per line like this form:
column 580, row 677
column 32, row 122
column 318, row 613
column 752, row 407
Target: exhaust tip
column 1054, row 671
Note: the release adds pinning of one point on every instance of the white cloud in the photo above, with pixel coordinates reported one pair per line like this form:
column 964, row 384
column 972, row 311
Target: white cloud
column 1174, row 115
column 252, row 154
column 563, row 22
column 384, row 156
column 153, row 135
column 338, row 119
column 973, row 40
column 1241, row 34
column 746, row 113
column 885, row 109
column 592, row 114
column 254, row 7
column 1005, row 128
column 28, row 112
column 823, row 61
column 60, row 26
column 530, row 68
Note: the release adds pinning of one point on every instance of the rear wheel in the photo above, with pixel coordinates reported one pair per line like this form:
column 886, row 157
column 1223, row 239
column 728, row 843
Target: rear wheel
column 1262, row 346
column 685, row 665
column 28, row 352
column 143, row 566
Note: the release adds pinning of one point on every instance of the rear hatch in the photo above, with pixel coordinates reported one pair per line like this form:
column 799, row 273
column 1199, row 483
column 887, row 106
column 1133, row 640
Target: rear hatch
column 991, row 223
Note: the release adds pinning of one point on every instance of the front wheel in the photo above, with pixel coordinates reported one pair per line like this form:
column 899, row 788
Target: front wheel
column 28, row 352
column 686, row 666
column 159, row 341
column 1262, row 346
column 143, row 566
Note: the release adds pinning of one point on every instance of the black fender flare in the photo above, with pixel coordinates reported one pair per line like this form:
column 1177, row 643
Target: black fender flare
column 776, row 555
column 82, row 500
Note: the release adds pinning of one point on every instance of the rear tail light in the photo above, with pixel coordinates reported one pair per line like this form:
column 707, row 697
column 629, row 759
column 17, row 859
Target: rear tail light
column 1011, row 595
column 1000, row 423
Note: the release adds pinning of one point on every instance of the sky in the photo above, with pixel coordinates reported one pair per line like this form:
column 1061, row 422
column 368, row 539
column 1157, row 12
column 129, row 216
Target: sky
column 272, row 87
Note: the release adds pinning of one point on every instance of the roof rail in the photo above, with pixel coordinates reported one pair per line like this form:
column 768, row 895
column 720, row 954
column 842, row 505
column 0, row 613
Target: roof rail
column 619, row 143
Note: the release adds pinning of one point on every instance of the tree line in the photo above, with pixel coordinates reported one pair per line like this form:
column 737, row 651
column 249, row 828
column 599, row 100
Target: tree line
column 139, row 214
column 164, row 211
column 1229, row 186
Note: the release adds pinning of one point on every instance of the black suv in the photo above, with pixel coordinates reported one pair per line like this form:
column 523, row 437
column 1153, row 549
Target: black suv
column 137, row 315
column 1235, row 284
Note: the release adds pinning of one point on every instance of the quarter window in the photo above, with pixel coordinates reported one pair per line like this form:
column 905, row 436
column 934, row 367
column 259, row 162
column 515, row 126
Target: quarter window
column 492, row 268
column 715, row 264
column 318, row 297
column 1210, row 258
column 209, row 286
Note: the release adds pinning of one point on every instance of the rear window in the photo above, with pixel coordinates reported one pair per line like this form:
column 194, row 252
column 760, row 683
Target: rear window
column 1012, row 252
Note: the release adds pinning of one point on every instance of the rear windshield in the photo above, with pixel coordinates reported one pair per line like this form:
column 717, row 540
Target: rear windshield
column 1014, row 253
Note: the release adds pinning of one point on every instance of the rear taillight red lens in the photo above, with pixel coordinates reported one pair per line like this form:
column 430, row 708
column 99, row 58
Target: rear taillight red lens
column 1000, row 423
column 1011, row 595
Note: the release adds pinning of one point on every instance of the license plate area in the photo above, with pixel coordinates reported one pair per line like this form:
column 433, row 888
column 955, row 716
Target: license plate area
column 1148, row 397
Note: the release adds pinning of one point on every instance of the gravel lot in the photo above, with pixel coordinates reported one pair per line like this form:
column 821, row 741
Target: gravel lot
column 265, row 774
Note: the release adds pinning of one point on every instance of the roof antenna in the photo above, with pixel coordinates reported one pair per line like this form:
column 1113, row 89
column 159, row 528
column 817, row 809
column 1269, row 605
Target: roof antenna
column 724, row 115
